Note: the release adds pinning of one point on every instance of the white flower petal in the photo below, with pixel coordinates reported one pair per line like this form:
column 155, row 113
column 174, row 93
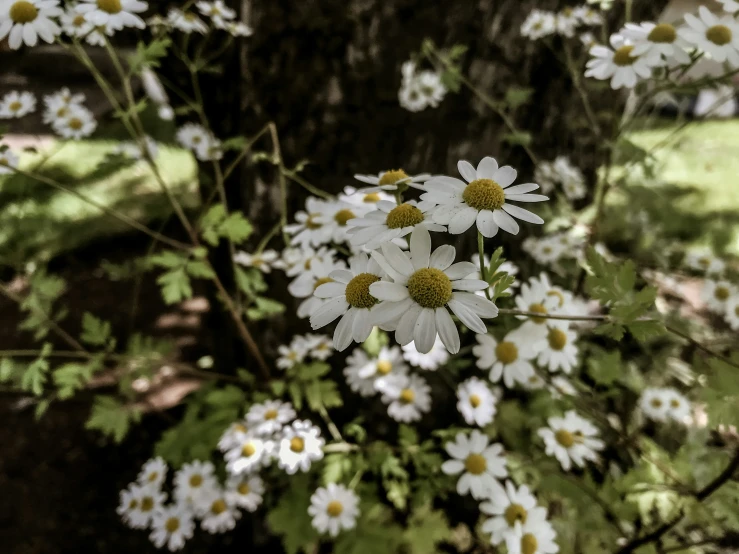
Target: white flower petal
column 447, row 330
column 397, row 259
column 424, row 332
column 522, row 214
column 462, row 220
column 486, row 224
column 505, row 176
column 467, row 316
column 505, row 222
column 420, row 247
column 442, row 257
column 466, row 170
column 385, row 290
column 487, row 168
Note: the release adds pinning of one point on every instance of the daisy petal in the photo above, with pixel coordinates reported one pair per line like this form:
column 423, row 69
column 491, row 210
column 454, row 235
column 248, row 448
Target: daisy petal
column 469, row 284
column 460, row 270
column 420, row 247
column 343, row 333
column 397, row 259
column 442, row 257
column 462, row 220
column 526, row 197
column 505, row 176
column 447, row 330
column 390, row 311
column 328, row 312
column 466, row 170
column 520, row 189
column 523, row 215
column 424, row 331
column 487, row 168
column 479, row 304
column 385, row 290
column 467, row 316
column 407, row 324
column 505, row 222
column 486, row 224
column 362, row 326
column 330, row 290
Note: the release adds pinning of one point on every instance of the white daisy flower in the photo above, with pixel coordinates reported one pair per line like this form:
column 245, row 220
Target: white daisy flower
column 535, row 536
column 678, row 406
column 346, row 295
column 269, row 417
column 194, row 480
column 655, row 403
column 98, row 36
column 139, row 503
column 546, row 250
column 391, row 181
column 539, row 24
column 292, row 355
column 261, row 261
column 431, row 360
column 561, row 386
column 559, row 352
column 538, row 296
column 233, row 435
column 210, row 150
column 172, row 525
column 75, row 24
column 588, row 40
column 319, row 347
column 295, row 261
column 25, row 21
column 312, row 227
column 153, row 473
column 358, row 364
column 249, row 455
column 480, row 463
column 306, row 284
column 534, row 382
column 424, row 286
column 619, row 64
column 390, row 222
column 239, row 29
column 429, row 84
column 218, row 12
column 476, row 402
column 717, row 36
column 716, row 294
column 658, row 40
column 333, row 508
column 301, row 445
column 113, row 14
column 187, row 22
column 77, row 123
column 729, row 6
column 509, row 358
column 565, row 22
column 587, row 15
column 192, row 135
column 410, row 97
column 16, row 104
column 484, row 199
column 218, row 514
column 703, row 259
column 57, row 105
column 731, row 312
column 245, row 491
column 408, row 397
column 387, row 370
column 8, row 161
column 509, row 511
column 571, row 439
column 338, row 216
column 363, row 201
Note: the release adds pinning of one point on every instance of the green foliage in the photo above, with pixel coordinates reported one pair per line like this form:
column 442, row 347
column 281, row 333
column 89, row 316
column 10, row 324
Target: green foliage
column 605, row 367
column 520, row 138
column 290, row 519
column 376, row 530
column 148, row 55
column 307, row 386
column 515, row 97
column 36, row 374
column 73, row 376
column 175, row 283
column 721, row 393
column 426, row 528
column 216, row 225
column 112, row 418
column 44, row 290
column 264, row 308
column 96, row 332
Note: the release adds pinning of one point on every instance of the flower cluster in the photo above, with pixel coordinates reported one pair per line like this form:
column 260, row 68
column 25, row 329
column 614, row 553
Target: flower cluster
column 663, row 404
column 542, row 23
column 420, row 89
column 318, row 347
column 720, row 295
column 562, row 173
column 201, row 141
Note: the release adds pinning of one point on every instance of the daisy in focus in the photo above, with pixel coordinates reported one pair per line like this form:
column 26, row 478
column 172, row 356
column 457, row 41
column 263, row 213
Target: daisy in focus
column 408, row 398
column 333, row 509
column 476, row 402
column 660, row 41
column 269, row 417
column 480, row 463
column 391, row 181
column 16, row 104
column 390, row 222
column 301, row 445
column 717, row 36
column 619, row 63
column 484, row 199
column 429, row 361
column 424, row 285
column 571, row 439
column 172, row 525
column 113, row 14
column 25, row 21
column 509, row 511
column 510, row 358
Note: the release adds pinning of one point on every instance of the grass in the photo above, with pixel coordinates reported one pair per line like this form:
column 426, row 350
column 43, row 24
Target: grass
column 38, row 221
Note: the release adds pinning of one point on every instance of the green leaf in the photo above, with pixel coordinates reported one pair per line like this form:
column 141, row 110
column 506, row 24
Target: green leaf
column 41, row 408
column 73, row 376
column 236, row 228
column 451, row 78
column 95, row 331
column 216, row 225
column 515, row 97
column 335, row 467
column 35, row 375
column 645, row 331
column 605, row 367
column 426, row 528
column 169, row 259
column 314, row 370
column 235, row 143
column 521, row 138
column 250, row 280
column 112, row 418
column 175, row 286
column 322, row 393
column 200, row 269
column 264, row 308
column 290, row 518
column 148, row 55
column 376, row 532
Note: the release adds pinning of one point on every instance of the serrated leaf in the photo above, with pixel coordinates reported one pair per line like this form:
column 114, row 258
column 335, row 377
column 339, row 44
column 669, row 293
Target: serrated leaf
column 35, row 375
column 313, row 370
column 175, row 286
column 112, row 418
column 41, row 408
column 290, row 519
column 335, row 467
column 148, row 55
column 426, row 528
column 605, row 367
column 73, row 376
column 644, row 331
column 95, row 331
column 200, row 269
column 264, row 308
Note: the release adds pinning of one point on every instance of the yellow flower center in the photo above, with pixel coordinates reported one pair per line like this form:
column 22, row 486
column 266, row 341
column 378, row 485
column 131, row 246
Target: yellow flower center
column 430, row 288
column 384, row 367
column 15, row 106
column 172, row 524
column 514, row 513
column 675, row 403
column 721, row 293
column 529, row 544
column 75, row 124
column 405, row 215
column 565, row 438
column 248, row 450
column 557, row 339
column 357, row 291
column 311, row 222
column 656, row 403
column 218, row 507
column 371, row 198
column 342, row 216
column 662, row 33
column 23, row 12
column 239, row 428
column 132, row 504
column 407, row 396
column 270, row 414
column 243, row 489
column 538, row 309
column 622, row 57
column 506, row 352
column 196, row 480
column 334, row 508
column 475, row 464
column 719, row 35
column 475, row 400
column 110, row 6
column 61, row 112
column 322, row 281
column 297, row 444
column 78, row 21
column 153, row 476
column 147, row 504
column 484, row 194
column 393, row 176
